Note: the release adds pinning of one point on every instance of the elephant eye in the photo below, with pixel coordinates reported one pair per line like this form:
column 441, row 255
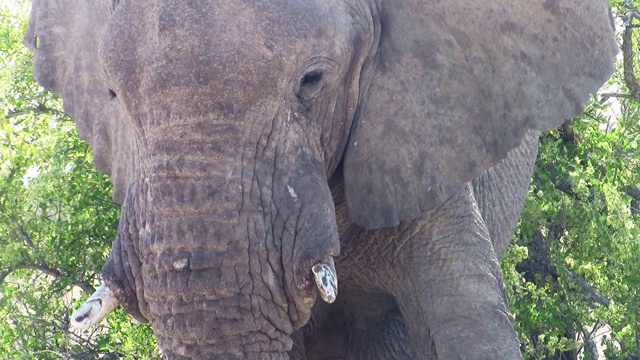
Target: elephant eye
column 112, row 94
column 309, row 86
column 311, row 79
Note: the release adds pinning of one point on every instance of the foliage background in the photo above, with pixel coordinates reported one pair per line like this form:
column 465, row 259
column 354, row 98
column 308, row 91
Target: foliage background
column 572, row 274
column 57, row 221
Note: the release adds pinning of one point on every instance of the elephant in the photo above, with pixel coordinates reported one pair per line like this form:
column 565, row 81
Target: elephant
column 268, row 153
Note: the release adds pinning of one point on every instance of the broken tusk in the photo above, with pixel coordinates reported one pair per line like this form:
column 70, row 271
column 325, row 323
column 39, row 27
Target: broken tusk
column 96, row 308
column 326, row 279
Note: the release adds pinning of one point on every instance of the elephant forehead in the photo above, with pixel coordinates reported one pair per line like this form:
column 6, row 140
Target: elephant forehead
column 152, row 49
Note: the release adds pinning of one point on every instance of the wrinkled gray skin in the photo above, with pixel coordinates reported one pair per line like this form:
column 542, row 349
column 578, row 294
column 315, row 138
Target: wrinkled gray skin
column 255, row 138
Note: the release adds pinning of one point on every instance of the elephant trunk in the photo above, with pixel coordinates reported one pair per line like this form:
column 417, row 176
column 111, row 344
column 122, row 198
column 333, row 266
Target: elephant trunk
column 210, row 290
column 220, row 258
column 213, row 284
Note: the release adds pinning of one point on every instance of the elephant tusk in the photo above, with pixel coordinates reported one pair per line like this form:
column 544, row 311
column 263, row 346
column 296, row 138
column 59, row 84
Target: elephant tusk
column 96, row 308
column 326, row 279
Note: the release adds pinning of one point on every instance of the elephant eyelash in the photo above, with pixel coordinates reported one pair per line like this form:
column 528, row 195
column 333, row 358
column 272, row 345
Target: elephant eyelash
column 114, row 5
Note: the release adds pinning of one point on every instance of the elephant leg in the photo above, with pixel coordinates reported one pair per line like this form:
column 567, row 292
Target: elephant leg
column 449, row 287
column 501, row 191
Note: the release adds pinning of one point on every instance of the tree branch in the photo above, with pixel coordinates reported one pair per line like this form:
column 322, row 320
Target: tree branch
column 559, row 181
column 4, row 274
column 633, row 191
column 588, row 289
column 605, row 96
column 38, row 110
column 53, row 272
column 540, row 262
column 533, row 267
column 630, row 78
column 27, row 240
column 57, row 273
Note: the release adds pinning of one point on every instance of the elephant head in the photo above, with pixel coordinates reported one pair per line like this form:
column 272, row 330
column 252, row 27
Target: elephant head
column 223, row 122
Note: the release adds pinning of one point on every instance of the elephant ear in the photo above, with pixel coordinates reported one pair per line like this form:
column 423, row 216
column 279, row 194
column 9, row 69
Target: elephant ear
column 456, row 85
column 63, row 36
